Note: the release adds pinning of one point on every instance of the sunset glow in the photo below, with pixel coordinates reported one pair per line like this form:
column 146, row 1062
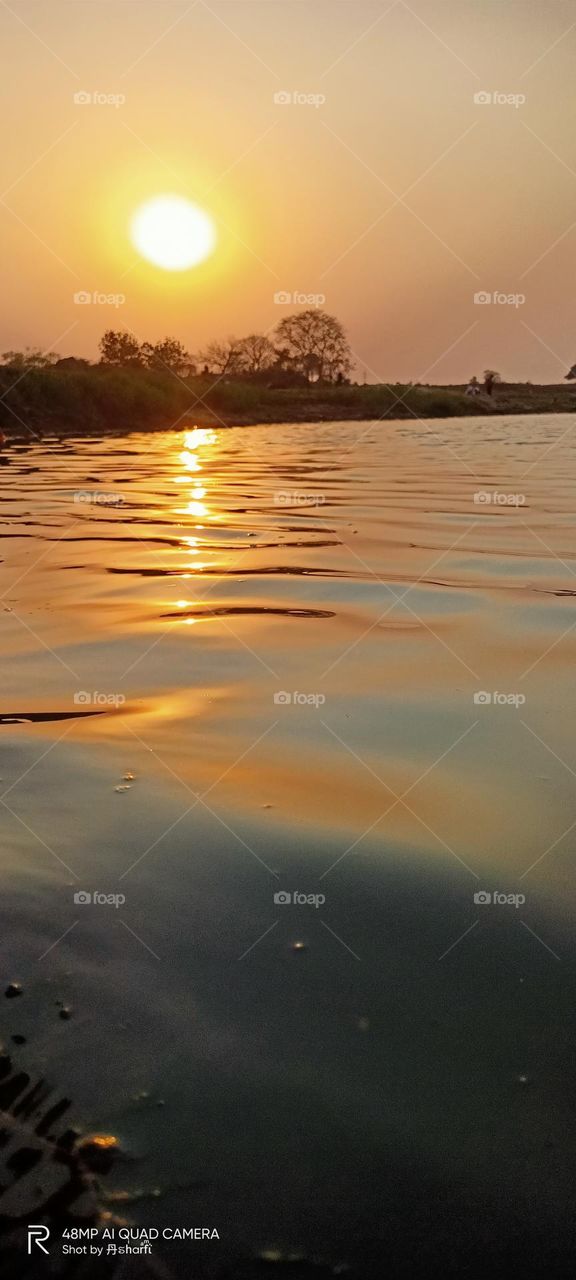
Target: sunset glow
column 172, row 233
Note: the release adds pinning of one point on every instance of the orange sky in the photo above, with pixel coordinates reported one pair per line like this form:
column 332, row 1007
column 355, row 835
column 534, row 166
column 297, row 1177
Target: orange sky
column 398, row 198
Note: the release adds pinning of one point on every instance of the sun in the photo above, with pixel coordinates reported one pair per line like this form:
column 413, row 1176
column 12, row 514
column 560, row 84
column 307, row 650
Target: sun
column 172, row 233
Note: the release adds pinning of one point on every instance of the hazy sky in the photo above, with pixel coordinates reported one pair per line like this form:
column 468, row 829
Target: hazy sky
column 398, row 198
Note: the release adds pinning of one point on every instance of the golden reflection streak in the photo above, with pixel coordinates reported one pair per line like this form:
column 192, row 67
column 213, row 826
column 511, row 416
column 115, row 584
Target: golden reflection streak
column 201, row 436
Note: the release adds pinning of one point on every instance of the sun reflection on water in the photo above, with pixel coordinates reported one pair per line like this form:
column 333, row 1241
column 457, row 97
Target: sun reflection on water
column 198, row 509
column 193, row 441
column 200, row 435
column 193, row 457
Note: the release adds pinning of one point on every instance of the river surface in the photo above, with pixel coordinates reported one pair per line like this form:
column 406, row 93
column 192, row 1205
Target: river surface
column 338, row 661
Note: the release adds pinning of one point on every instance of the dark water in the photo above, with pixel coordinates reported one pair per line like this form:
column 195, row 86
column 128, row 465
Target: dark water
column 382, row 1080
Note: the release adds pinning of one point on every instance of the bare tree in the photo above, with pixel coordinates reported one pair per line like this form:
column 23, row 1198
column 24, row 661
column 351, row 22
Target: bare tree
column 222, row 357
column 256, row 353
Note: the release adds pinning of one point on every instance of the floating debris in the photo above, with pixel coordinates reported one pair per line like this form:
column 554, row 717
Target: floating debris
column 128, row 777
column 523, row 1079
column 145, row 1097
column 122, row 787
column 291, row 1264
column 131, row 1197
column 299, row 946
column 363, row 1024
column 12, row 990
column 19, row 1039
column 65, row 1013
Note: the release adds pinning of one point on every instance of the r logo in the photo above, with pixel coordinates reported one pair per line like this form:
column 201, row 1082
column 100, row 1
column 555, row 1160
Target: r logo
column 36, row 1234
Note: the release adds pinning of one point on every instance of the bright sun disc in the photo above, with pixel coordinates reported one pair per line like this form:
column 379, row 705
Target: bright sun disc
column 172, row 233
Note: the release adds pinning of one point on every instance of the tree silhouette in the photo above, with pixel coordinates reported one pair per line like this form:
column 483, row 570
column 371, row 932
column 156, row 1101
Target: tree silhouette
column 315, row 344
column 31, row 358
column 222, row 357
column 256, row 353
column 168, row 354
column 117, row 346
column 491, row 378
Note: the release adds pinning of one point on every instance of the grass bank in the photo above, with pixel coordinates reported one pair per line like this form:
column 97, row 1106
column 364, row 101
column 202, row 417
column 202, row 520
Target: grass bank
column 103, row 398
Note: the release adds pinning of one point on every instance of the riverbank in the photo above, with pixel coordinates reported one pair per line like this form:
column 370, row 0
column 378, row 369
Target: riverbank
column 103, row 398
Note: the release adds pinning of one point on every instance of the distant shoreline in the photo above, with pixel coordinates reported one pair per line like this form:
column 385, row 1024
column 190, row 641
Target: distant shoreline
column 104, row 399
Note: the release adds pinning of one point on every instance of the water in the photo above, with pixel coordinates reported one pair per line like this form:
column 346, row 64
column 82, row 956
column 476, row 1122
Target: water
column 280, row 633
